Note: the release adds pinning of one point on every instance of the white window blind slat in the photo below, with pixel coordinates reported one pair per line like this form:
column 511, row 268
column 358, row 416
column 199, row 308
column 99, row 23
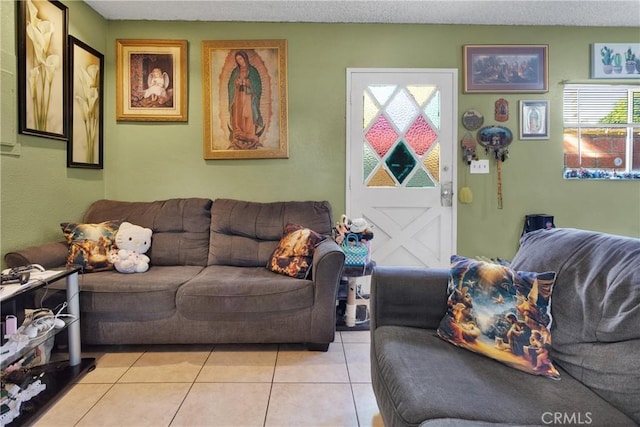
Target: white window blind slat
column 590, row 104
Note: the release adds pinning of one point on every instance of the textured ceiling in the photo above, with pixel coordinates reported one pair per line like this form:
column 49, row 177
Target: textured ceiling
column 497, row 12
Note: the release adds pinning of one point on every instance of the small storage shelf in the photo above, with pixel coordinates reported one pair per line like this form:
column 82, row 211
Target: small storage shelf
column 349, row 273
column 57, row 377
column 39, row 386
column 8, row 359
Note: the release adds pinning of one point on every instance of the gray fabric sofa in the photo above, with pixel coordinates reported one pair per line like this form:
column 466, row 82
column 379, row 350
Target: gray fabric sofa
column 208, row 281
column 421, row 380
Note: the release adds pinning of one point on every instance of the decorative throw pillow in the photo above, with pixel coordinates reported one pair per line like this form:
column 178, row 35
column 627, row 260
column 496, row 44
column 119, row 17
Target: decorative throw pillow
column 294, row 253
column 90, row 244
column 500, row 313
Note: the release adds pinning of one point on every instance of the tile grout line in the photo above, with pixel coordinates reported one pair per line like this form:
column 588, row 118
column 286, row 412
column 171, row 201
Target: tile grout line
column 111, row 385
column 353, row 396
column 95, row 403
column 273, row 377
column 193, row 383
column 350, row 370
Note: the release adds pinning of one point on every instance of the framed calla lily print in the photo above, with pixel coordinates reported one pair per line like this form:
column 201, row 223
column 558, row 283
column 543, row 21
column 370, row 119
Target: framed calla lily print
column 42, row 68
column 85, row 146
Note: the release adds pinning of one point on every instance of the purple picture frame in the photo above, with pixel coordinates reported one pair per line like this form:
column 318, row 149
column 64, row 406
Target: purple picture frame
column 506, row 68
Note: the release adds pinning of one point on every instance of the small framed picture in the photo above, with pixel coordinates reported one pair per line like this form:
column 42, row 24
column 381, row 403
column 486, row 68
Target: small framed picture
column 84, row 148
column 534, row 119
column 151, row 80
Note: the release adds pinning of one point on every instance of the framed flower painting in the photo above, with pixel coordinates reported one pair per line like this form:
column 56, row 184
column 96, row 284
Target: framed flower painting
column 85, row 146
column 42, row 68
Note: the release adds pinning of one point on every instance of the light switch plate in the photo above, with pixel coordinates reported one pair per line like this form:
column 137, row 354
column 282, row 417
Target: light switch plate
column 479, row 166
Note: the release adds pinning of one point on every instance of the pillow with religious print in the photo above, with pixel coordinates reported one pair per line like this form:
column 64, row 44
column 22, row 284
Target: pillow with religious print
column 500, row 313
column 294, row 253
column 90, row 244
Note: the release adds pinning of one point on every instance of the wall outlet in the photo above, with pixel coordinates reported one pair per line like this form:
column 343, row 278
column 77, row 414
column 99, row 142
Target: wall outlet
column 479, row 166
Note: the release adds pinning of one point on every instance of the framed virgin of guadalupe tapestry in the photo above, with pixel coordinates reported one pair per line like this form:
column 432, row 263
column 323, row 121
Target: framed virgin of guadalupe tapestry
column 245, row 99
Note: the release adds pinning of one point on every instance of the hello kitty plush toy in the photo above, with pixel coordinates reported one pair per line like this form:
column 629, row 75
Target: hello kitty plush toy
column 132, row 241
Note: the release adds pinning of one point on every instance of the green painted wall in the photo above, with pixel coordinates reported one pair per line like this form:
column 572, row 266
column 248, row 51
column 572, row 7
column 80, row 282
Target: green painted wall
column 148, row 161
column 37, row 190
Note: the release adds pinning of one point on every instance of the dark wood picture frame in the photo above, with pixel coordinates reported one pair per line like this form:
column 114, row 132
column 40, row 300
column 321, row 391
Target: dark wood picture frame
column 42, row 69
column 86, row 101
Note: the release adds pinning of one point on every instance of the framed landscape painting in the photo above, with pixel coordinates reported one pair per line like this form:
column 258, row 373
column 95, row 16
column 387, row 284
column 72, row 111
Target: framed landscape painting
column 86, row 98
column 506, row 68
column 245, row 99
column 42, row 68
column 151, row 80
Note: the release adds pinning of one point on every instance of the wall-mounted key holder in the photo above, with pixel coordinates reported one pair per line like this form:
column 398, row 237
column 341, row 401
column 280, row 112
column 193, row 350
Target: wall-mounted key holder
column 495, row 140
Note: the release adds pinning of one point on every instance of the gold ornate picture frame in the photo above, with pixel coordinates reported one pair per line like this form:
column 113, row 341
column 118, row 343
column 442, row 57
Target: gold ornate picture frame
column 245, row 99
column 151, row 80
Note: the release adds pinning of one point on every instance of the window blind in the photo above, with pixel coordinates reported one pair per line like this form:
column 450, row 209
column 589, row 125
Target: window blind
column 595, row 105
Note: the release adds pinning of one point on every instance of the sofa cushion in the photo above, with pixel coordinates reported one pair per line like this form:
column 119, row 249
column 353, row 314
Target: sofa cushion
column 246, row 233
column 596, row 308
column 125, row 297
column 225, row 292
column 90, row 244
column 294, row 254
column 500, row 313
column 421, row 377
column 180, row 226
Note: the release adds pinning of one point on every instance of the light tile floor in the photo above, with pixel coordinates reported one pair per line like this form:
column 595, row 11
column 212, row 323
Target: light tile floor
column 224, row 385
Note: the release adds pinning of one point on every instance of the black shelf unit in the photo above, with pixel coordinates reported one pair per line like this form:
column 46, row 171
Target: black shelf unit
column 351, row 271
column 57, row 376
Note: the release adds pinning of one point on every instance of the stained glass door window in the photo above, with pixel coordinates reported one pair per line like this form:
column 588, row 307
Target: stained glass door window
column 401, row 152
column 401, row 125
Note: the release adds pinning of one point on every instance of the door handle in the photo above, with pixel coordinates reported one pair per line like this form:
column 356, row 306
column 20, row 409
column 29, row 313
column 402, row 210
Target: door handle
column 446, row 194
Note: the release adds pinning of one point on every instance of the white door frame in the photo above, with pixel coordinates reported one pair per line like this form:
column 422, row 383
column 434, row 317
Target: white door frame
column 454, row 143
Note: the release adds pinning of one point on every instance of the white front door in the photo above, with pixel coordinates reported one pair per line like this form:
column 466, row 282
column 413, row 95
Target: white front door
column 401, row 162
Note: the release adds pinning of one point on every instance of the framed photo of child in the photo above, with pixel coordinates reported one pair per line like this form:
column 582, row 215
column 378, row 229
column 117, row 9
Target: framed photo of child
column 151, row 80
